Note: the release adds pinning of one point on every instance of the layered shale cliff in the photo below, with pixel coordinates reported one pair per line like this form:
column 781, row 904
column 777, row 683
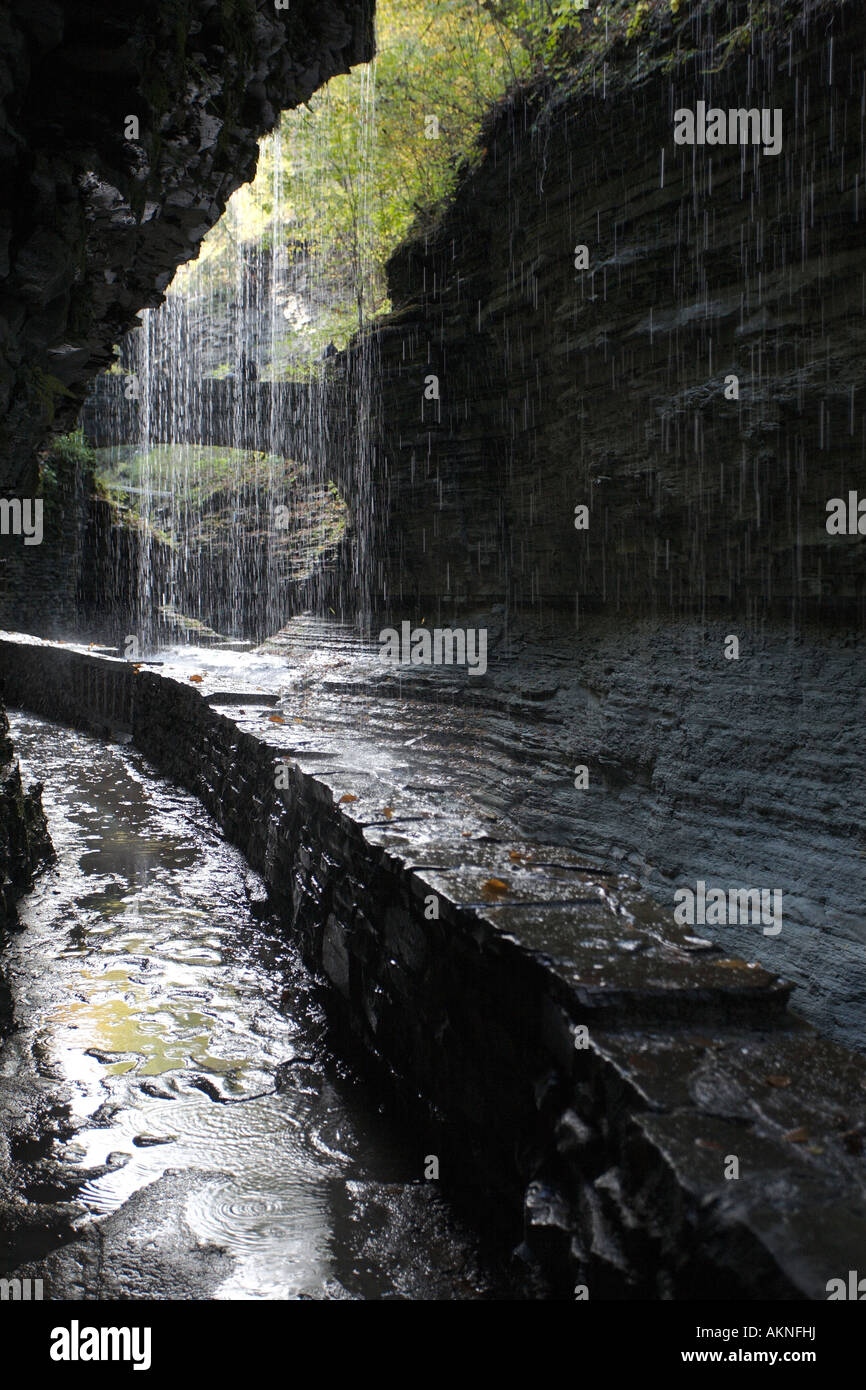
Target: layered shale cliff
column 123, row 132
column 605, row 387
column 611, row 388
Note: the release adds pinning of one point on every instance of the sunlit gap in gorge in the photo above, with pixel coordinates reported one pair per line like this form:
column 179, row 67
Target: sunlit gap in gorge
column 240, row 422
column 224, row 391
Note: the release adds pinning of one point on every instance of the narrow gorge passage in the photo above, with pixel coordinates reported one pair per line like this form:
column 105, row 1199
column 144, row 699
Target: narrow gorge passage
column 432, row 602
column 175, row 1122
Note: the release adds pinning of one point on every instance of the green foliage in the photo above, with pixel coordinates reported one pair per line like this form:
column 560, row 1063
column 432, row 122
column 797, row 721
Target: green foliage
column 67, row 457
column 194, row 472
column 377, row 152
column 49, row 482
column 47, row 388
column 638, row 20
column 549, row 33
column 203, row 496
column 66, row 453
column 561, row 38
column 350, row 172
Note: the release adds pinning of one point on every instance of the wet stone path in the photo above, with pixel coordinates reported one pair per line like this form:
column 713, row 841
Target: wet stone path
column 171, row 1121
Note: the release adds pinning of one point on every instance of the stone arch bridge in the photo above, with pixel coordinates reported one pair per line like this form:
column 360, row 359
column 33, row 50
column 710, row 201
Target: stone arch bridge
column 309, row 422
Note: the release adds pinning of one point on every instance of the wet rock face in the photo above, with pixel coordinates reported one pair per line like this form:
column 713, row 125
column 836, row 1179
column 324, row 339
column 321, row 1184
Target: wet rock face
column 97, row 212
column 568, row 1051
column 605, row 387
column 24, row 839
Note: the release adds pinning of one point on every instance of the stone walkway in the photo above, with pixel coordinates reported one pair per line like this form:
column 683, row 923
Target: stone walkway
column 673, row 1129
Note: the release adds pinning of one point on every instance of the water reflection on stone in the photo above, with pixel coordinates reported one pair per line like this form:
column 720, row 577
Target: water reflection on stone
column 200, row 1134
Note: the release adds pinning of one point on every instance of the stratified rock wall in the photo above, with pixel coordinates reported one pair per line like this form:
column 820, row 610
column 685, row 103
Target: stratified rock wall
column 24, row 839
column 95, row 215
column 605, row 387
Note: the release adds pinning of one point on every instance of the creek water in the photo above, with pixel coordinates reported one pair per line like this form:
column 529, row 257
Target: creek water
column 191, row 1082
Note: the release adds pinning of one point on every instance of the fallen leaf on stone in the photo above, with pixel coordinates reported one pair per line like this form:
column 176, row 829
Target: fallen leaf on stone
column 388, row 811
column 516, row 857
column 346, row 798
column 494, row 887
column 778, row 1080
column 198, row 679
column 797, row 1136
column 137, row 667
column 707, row 1144
column 276, row 719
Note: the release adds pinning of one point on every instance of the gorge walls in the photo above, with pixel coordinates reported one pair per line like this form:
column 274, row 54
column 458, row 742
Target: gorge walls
column 98, row 210
column 123, row 132
column 611, row 388
column 606, row 387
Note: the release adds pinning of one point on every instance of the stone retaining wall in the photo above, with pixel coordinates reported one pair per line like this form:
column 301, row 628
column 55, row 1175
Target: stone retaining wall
column 24, row 846
column 575, row 1051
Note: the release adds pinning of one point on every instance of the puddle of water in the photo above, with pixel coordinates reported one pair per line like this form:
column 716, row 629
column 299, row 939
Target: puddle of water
column 161, row 1010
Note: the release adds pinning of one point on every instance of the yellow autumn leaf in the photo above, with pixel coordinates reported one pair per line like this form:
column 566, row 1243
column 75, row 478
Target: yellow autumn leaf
column 494, row 887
